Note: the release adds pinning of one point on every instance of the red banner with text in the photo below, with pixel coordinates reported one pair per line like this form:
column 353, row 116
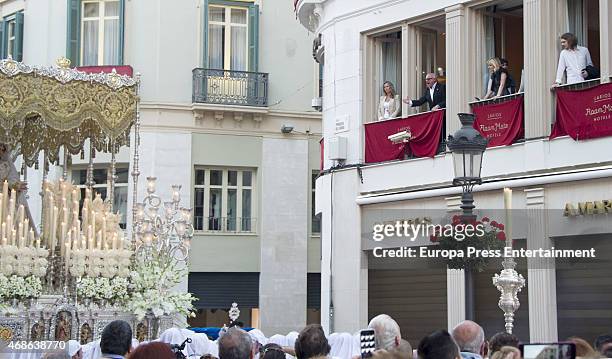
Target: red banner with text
column 500, row 123
column 121, row 70
column 425, row 130
column 584, row 114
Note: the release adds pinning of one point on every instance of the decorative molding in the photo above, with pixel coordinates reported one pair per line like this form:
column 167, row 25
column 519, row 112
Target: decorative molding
column 218, row 115
column 238, row 117
column 534, row 197
column 453, row 203
column 257, row 120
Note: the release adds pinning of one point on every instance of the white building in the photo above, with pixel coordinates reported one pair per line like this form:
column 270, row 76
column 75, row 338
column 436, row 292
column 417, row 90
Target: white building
column 366, row 42
column 219, row 81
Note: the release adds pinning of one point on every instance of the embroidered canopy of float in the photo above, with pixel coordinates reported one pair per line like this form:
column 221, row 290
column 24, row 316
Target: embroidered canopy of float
column 50, row 109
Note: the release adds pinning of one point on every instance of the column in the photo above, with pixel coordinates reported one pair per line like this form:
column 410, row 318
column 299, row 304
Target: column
column 460, row 72
column 541, row 276
column 344, row 273
column 605, row 42
column 284, row 175
column 542, row 28
column 455, row 280
column 411, row 79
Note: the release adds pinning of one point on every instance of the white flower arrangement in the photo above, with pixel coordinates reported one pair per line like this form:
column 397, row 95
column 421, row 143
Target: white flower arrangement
column 16, row 287
column 98, row 289
column 23, row 262
column 152, row 280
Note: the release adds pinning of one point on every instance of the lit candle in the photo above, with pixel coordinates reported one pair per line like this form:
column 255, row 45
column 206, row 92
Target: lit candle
column 99, row 239
column 32, row 239
column 26, row 225
column 13, row 235
column 90, row 237
column 104, row 229
column 62, row 236
column 5, row 194
column 38, row 243
column 11, row 209
column 508, row 210
column 19, row 238
column 67, row 258
column 1, row 206
column 114, row 241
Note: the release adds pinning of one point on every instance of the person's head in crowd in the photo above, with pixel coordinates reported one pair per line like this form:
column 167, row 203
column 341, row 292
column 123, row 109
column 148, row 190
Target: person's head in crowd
column 404, row 350
column 389, row 89
column 153, row 350
column 235, row 344
column 57, row 355
column 430, row 80
column 438, row 345
column 311, row 342
column 569, row 41
column 383, row 354
column 504, row 63
column 493, row 64
column 502, row 339
column 507, row 352
column 386, row 330
column 602, row 341
column 208, row 356
column 116, row 338
column 470, row 338
column 271, row 351
column 74, row 349
column 583, row 348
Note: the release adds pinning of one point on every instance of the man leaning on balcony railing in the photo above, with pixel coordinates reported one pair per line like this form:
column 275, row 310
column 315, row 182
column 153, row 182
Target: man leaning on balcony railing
column 434, row 96
column 575, row 61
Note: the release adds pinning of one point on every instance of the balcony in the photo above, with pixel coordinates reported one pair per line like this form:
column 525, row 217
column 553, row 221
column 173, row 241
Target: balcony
column 226, row 87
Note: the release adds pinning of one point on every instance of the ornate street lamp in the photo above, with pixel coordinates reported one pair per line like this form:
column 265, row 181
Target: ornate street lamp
column 467, row 146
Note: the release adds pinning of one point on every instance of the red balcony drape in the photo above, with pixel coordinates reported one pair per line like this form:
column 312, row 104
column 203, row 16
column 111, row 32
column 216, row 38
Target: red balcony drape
column 501, row 123
column 584, row 114
column 425, row 129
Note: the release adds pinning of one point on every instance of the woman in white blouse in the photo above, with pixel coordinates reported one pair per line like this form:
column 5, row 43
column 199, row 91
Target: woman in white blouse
column 573, row 60
column 389, row 105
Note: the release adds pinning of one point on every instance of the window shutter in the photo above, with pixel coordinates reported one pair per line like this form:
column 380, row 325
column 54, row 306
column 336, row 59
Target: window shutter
column 2, row 40
column 121, row 31
column 205, row 34
column 18, row 44
column 74, row 31
column 253, row 37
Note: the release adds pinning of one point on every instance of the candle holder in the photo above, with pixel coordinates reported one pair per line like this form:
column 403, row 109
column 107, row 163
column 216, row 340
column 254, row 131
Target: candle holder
column 162, row 229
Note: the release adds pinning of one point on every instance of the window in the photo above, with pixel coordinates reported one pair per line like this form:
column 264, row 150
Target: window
column 95, row 32
column 102, row 186
column 232, row 36
column 315, row 226
column 224, row 200
column 11, row 36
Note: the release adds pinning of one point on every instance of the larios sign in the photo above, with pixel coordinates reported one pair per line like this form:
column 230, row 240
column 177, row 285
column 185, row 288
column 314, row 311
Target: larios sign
column 500, row 123
column 588, row 208
column 584, row 114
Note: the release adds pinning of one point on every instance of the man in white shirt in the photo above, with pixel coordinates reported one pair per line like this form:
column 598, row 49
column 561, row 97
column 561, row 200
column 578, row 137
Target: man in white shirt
column 573, row 61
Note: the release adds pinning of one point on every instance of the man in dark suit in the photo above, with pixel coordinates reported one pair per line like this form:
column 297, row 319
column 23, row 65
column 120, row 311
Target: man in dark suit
column 435, row 95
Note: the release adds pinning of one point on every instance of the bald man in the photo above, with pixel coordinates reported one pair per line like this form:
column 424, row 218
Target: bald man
column 470, row 338
column 435, row 95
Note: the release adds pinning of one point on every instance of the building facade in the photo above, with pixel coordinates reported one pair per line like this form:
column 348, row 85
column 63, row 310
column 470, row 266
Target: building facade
column 226, row 90
column 365, row 43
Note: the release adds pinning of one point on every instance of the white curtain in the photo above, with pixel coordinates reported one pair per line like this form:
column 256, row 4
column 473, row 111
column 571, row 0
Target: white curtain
column 489, row 37
column 239, row 42
column 216, row 35
column 391, row 64
column 111, row 42
column 90, row 43
column 575, row 19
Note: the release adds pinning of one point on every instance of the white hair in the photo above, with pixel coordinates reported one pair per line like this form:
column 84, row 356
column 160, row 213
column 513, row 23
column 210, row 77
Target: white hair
column 472, row 343
column 386, row 331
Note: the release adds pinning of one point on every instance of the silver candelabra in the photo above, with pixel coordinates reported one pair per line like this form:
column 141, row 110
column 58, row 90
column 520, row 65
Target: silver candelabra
column 162, row 227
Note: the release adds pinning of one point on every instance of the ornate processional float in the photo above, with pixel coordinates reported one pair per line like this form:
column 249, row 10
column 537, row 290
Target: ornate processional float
column 75, row 271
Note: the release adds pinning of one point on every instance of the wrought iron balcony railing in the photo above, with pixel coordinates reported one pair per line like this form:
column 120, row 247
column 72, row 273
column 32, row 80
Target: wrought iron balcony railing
column 227, row 87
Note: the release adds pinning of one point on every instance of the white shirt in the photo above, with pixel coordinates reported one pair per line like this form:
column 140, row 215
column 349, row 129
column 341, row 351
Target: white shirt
column 573, row 62
column 431, row 90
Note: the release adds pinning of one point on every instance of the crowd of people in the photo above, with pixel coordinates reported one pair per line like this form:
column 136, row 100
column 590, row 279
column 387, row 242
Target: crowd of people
column 575, row 65
column 467, row 340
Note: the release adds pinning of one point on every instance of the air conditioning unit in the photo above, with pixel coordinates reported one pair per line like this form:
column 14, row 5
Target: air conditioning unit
column 337, row 148
column 317, row 103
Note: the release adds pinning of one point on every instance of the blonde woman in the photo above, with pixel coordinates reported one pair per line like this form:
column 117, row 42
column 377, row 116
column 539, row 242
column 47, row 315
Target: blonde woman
column 498, row 79
column 507, row 352
column 389, row 105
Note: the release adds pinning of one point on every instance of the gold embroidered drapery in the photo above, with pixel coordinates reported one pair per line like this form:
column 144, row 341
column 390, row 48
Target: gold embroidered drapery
column 46, row 108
